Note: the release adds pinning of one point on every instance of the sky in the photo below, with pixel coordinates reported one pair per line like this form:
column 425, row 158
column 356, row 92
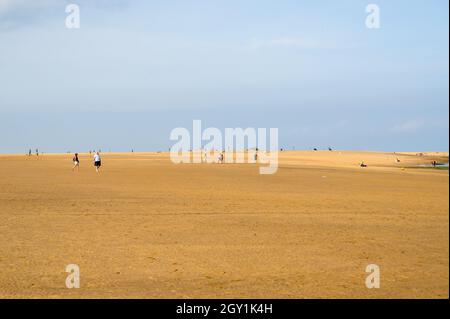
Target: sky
column 136, row 69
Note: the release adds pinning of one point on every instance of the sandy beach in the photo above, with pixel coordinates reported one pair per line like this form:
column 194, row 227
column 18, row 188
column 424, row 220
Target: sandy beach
column 147, row 228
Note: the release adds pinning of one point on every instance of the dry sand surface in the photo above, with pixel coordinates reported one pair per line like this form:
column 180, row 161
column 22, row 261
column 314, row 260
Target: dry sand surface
column 147, row 228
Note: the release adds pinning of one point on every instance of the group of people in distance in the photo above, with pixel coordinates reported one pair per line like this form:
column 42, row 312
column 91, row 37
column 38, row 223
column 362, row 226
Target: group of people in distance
column 221, row 157
column 97, row 162
column 30, row 152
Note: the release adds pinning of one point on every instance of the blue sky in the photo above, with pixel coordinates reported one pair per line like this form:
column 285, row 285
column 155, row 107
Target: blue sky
column 137, row 69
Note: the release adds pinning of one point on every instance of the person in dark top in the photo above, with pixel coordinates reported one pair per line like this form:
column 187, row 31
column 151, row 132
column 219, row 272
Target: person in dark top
column 76, row 162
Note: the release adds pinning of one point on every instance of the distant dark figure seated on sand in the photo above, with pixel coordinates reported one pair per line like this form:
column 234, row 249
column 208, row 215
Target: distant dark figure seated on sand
column 330, row 149
column 362, row 164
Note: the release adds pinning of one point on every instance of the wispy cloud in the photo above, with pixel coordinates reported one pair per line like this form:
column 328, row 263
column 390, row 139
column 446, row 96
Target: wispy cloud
column 295, row 42
column 11, row 5
column 287, row 41
column 15, row 14
column 8, row 6
column 408, row 126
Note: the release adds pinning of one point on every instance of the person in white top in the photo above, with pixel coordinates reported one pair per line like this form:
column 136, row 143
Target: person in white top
column 97, row 162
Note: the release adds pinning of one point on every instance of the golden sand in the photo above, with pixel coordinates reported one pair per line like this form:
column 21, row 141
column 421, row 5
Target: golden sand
column 147, row 228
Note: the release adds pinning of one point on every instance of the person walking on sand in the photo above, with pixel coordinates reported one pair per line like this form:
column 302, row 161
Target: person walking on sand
column 221, row 157
column 205, row 156
column 97, row 162
column 76, row 162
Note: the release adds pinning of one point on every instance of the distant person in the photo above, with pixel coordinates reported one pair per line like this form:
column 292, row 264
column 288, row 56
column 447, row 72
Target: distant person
column 29, row 152
column 398, row 160
column 315, row 149
column 362, row 164
column 97, row 162
column 37, row 152
column 256, row 157
column 330, row 149
column 76, row 162
column 434, row 163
